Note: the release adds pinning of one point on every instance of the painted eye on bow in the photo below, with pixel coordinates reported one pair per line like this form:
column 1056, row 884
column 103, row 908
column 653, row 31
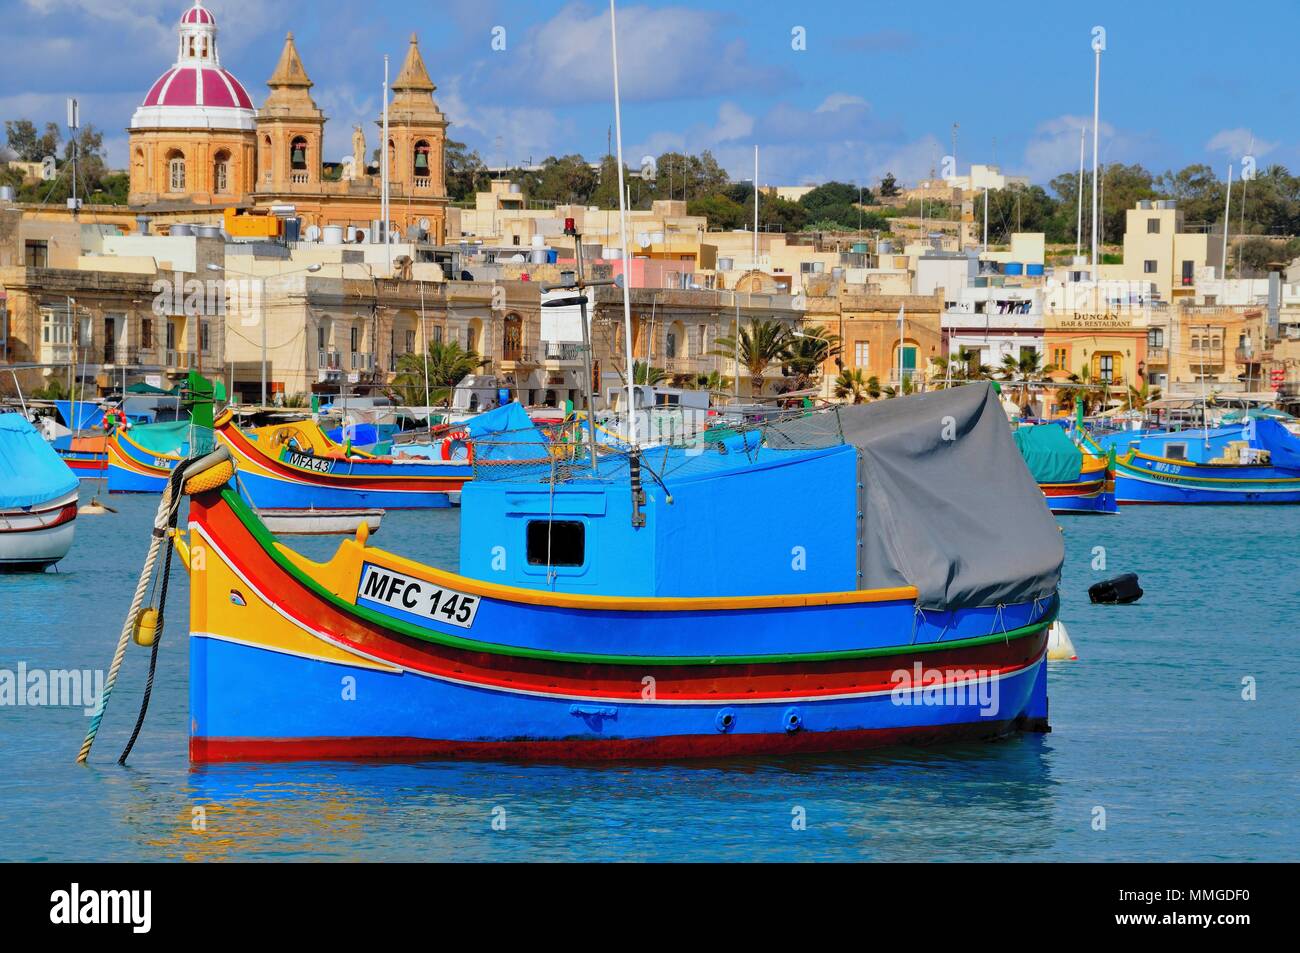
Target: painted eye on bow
column 237, row 597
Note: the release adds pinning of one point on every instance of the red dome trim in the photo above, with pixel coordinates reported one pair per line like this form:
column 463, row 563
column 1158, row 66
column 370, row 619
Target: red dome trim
column 198, row 14
column 180, row 85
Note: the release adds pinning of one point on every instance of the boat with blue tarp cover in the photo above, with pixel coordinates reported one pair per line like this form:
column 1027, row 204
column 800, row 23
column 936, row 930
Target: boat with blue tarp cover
column 38, row 498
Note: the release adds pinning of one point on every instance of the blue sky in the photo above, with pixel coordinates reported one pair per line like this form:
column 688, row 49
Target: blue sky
column 876, row 90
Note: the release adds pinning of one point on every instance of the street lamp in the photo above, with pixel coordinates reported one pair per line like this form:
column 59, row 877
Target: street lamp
column 314, row 267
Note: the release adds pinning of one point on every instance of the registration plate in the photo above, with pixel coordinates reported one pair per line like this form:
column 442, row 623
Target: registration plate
column 407, row 596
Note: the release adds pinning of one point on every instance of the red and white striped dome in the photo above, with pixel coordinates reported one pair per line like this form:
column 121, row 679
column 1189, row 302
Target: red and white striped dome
column 191, row 86
column 196, row 92
column 198, row 14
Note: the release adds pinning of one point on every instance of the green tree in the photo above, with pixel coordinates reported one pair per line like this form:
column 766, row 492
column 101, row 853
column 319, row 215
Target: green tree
column 1023, row 370
column 720, row 210
column 808, row 352
column 448, row 364
column 889, row 186
column 761, row 344
column 643, row 373
column 29, row 145
column 465, row 172
column 850, row 384
column 567, row 180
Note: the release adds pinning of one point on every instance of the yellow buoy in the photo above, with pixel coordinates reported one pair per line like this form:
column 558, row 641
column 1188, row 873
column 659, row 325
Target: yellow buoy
column 146, row 627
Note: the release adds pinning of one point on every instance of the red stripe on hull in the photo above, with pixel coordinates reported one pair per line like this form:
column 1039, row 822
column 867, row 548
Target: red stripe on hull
column 215, row 750
column 1072, row 489
column 427, row 484
column 66, row 515
column 710, row 683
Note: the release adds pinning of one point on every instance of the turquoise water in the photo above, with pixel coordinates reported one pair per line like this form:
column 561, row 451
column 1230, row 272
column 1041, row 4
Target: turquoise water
column 1149, row 725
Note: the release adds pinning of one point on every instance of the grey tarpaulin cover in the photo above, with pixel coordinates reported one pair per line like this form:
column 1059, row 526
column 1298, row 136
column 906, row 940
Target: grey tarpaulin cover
column 950, row 506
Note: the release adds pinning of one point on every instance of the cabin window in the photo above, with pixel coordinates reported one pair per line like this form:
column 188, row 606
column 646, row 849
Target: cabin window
column 1176, row 451
column 567, row 545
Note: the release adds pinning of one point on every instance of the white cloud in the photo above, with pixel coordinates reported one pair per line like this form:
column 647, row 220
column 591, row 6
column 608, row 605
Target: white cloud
column 666, row 53
column 1054, row 147
column 1236, row 143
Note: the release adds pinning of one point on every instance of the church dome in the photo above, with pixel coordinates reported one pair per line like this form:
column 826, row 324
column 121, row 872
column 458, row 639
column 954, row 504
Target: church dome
column 196, row 92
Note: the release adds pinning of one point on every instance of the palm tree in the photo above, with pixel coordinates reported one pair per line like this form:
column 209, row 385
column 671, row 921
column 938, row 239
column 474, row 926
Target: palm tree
column 959, row 367
column 1089, row 389
column 851, row 384
column 54, row 389
column 762, row 344
column 448, row 364
column 809, row 350
column 643, row 373
column 713, row 382
column 1024, row 370
column 1138, row 399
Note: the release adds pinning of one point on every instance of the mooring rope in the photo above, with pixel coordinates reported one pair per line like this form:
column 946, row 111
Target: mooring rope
column 153, row 650
column 160, row 524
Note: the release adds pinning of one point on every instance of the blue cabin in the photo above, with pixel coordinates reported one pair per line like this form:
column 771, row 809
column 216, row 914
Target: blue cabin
column 717, row 522
column 1194, row 446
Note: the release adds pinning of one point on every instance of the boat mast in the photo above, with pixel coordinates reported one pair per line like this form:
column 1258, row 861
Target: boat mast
column 1078, row 232
column 622, row 226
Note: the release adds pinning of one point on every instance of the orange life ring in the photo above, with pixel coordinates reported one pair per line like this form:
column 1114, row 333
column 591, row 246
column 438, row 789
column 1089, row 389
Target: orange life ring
column 457, row 436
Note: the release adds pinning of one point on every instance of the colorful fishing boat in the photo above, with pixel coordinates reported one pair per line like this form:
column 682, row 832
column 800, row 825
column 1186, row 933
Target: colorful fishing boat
column 141, row 459
column 296, row 466
column 86, row 456
column 38, row 499
column 629, row 610
column 1072, row 479
column 1258, row 462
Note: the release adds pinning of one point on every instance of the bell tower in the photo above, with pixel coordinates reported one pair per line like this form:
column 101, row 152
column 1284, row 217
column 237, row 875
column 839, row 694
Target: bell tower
column 417, row 131
column 290, row 129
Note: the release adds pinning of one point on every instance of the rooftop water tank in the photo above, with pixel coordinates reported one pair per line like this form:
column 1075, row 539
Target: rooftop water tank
column 181, row 230
column 1034, row 268
column 332, row 234
column 860, row 248
column 1014, row 268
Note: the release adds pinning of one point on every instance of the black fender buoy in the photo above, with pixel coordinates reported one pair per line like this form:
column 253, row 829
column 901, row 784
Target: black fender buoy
column 1121, row 590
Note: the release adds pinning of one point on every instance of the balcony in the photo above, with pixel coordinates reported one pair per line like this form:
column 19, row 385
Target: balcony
column 517, row 356
column 361, row 362
column 562, row 353
column 1157, row 355
column 1252, row 355
column 423, row 183
column 327, row 359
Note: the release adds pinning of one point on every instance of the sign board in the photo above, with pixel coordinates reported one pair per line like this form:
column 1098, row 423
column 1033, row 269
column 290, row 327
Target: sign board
column 416, row 600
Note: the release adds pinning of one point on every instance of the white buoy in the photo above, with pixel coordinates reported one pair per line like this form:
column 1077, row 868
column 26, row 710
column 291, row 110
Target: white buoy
column 1059, row 646
column 94, row 508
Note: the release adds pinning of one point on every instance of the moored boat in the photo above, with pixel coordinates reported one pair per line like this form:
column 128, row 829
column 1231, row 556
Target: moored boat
column 1258, row 462
column 1072, row 479
column 141, row 459
column 296, row 466
column 629, row 610
column 38, row 499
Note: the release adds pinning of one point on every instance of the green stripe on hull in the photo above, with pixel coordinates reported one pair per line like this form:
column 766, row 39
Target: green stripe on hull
column 267, row 541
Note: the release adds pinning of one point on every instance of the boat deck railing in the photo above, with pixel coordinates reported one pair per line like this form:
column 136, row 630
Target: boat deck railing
column 505, row 457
